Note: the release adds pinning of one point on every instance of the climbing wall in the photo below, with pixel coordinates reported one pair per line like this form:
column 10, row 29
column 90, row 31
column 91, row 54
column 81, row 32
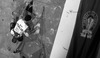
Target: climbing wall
column 52, row 16
column 5, row 37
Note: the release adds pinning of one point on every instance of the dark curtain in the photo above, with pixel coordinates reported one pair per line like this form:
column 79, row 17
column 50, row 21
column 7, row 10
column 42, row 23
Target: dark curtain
column 84, row 44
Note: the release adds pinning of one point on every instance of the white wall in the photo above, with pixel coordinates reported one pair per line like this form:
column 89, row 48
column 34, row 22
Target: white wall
column 65, row 29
